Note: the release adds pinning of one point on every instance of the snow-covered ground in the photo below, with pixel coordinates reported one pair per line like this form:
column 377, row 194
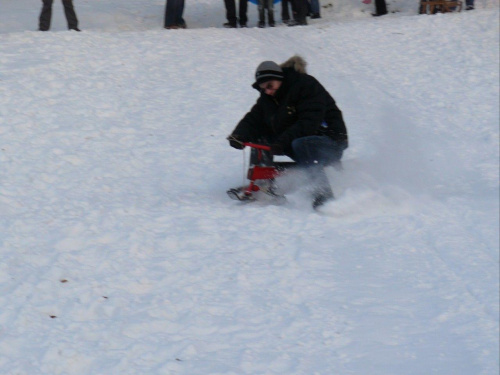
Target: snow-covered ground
column 120, row 252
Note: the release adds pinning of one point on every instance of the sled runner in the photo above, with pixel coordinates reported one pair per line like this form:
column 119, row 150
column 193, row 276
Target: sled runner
column 262, row 172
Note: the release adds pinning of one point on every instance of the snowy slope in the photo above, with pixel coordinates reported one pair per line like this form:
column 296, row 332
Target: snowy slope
column 121, row 254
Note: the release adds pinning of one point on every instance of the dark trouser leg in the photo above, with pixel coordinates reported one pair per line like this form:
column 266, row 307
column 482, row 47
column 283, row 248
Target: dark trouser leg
column 313, row 154
column 230, row 11
column 262, row 15
column 170, row 14
column 173, row 13
column 45, row 15
column 243, row 12
column 315, row 7
column 285, row 14
column 380, row 7
column 300, row 11
column 69, row 11
column 294, row 8
column 180, row 11
column 270, row 12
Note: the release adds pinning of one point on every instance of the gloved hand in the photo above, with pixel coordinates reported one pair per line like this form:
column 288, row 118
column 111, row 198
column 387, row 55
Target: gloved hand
column 277, row 149
column 236, row 142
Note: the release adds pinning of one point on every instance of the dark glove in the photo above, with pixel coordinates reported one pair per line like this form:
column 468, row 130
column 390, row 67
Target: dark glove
column 277, row 149
column 235, row 142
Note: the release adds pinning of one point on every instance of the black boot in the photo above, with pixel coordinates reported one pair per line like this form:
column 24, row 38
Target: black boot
column 321, row 191
column 320, row 198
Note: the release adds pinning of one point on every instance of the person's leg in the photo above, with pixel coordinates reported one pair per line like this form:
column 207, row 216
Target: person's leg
column 230, row 13
column 169, row 20
column 380, row 7
column 69, row 11
column 313, row 154
column 293, row 5
column 179, row 14
column 285, row 15
column 243, row 7
column 315, row 9
column 300, row 12
column 270, row 12
column 262, row 16
column 45, row 15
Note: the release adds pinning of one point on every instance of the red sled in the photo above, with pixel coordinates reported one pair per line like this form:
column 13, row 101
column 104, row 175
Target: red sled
column 261, row 175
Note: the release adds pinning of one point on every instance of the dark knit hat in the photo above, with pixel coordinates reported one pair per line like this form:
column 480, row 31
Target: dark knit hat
column 267, row 71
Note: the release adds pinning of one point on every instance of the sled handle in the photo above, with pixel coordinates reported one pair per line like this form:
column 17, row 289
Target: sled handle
column 257, row 146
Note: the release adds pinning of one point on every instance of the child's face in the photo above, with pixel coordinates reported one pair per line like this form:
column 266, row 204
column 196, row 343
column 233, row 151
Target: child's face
column 270, row 87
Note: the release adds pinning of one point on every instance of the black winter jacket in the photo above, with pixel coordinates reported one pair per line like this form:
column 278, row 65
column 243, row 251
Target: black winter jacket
column 300, row 108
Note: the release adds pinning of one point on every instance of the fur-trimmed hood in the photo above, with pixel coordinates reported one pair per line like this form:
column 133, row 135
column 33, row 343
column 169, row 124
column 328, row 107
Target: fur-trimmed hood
column 297, row 63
